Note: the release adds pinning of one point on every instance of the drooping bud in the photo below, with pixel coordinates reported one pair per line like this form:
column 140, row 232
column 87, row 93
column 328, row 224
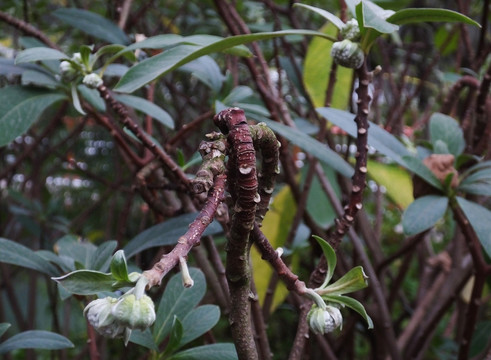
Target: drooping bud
column 67, row 70
column 322, row 321
column 92, row 81
column 348, row 54
column 351, row 30
column 99, row 314
column 133, row 313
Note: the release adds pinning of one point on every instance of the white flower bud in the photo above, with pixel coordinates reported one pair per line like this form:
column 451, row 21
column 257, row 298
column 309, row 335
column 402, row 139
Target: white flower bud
column 134, row 313
column 351, row 30
column 324, row 321
column 99, row 315
column 347, row 53
column 92, row 81
column 77, row 58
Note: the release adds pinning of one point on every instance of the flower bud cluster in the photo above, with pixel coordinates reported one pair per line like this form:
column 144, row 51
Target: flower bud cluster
column 117, row 317
column 322, row 321
column 348, row 52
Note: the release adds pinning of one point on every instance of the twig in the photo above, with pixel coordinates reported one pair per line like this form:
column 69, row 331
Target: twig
column 27, row 29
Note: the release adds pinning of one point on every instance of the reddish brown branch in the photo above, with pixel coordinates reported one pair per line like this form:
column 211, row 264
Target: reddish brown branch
column 186, row 242
column 242, row 185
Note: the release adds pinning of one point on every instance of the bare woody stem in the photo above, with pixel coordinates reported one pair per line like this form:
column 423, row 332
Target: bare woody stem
column 191, row 237
column 242, row 185
column 126, row 120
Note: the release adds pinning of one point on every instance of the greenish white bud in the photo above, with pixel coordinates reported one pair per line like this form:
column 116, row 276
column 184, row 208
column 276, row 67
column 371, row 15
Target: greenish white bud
column 92, row 81
column 134, row 313
column 99, row 314
column 348, row 54
column 351, row 30
column 77, row 57
column 322, row 321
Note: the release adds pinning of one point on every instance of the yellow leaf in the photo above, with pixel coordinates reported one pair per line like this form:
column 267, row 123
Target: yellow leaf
column 276, row 226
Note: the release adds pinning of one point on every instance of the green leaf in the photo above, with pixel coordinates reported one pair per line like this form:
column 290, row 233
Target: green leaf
column 480, row 219
column 224, row 351
column 148, row 108
column 318, row 204
column 312, row 146
column 410, row 16
column 380, row 139
column 415, row 165
column 353, row 280
column 373, row 17
column 177, row 301
column 423, row 213
column 17, row 254
column 330, row 256
column 207, row 71
column 175, row 337
column 39, row 54
column 480, row 338
column 316, row 71
column 73, row 247
column 159, row 65
column 20, row 108
column 166, row 233
column 39, row 78
column 143, row 338
column 325, row 14
column 101, row 259
column 35, row 339
column 76, row 100
column 446, row 129
column 92, row 24
column 477, row 180
column 238, row 93
column 3, row 327
column 352, row 304
column 93, row 97
column 198, row 322
column 86, row 282
column 119, row 268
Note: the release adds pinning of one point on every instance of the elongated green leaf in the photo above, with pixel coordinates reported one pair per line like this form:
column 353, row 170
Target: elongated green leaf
column 20, row 108
column 171, row 59
column 38, row 54
column 207, row 71
column 165, row 233
column 17, row 254
column 92, row 96
column 224, row 351
column 325, row 14
column 446, row 129
column 352, row 304
column 313, row 147
column 76, row 100
column 480, row 219
column 4, row 327
column 73, row 247
column 380, row 139
column 482, row 188
column 119, row 268
column 415, row 165
column 330, row 256
column 423, row 213
column 148, row 108
column 92, row 24
column 373, row 16
column 353, row 280
column 144, row 338
column 177, row 301
column 35, row 339
column 86, row 282
column 174, row 337
column 198, row 322
column 238, row 93
column 409, row 16
column 102, row 258
column 39, row 78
